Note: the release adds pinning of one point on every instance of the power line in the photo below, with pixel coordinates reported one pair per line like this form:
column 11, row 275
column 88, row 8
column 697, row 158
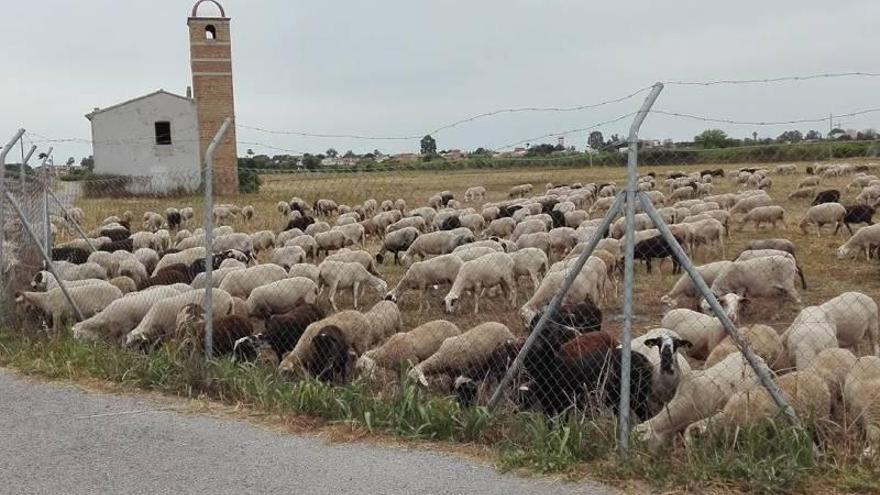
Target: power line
column 718, row 120
column 809, row 77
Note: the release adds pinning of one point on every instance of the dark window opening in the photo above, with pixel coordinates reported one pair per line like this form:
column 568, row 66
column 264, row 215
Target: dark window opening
column 210, row 32
column 163, row 132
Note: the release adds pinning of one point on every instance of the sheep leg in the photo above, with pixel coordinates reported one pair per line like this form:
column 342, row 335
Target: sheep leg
column 874, row 336
column 535, row 281
column 477, row 290
column 354, row 293
column 332, row 296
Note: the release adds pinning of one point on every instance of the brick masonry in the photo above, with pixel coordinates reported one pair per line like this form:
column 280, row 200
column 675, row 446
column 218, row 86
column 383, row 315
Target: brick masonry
column 214, row 96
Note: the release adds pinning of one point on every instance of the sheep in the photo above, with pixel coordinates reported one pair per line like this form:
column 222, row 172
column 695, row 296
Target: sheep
column 413, row 346
column 240, row 283
column 684, row 287
column 823, row 214
column 325, row 207
column 660, row 347
column 282, row 333
column 227, row 330
column 805, row 391
column 867, row 238
column 415, row 222
column 237, row 241
column 281, row 296
column 120, row 316
column 262, row 240
column 396, row 241
column 185, row 257
column 703, row 331
column 71, row 254
column 317, row 228
column 385, row 320
column 806, row 192
column 286, row 235
column 287, row 256
column 354, row 233
column 423, row 274
column 105, row 259
column 307, row 243
column 764, row 341
column 354, row 326
column 90, row 299
column 854, row 316
column 777, row 244
column 811, row 332
column 306, row 270
column 501, row 227
column 464, row 352
column 833, row 365
column 588, row 286
column 709, row 232
column 827, row 196
column 862, row 400
column 469, row 253
column 655, row 247
column 699, row 395
column 435, row 243
column 152, row 221
column 759, row 277
column 772, row 214
column 747, row 204
column 355, row 256
column 300, row 223
column 331, row 241
column 159, row 321
column 856, row 214
column 531, row 262
column 400, row 205
column 69, row 273
column 343, row 275
column 133, row 269
column 475, row 193
column 485, row 272
column 148, row 257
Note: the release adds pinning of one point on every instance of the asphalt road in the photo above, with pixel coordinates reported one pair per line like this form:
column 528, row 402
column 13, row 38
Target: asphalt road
column 56, row 439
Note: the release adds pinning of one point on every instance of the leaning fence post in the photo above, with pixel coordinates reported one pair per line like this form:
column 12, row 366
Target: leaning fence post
column 3, row 154
column 553, row 307
column 47, row 225
column 209, row 236
column 632, row 189
column 47, row 259
column 760, row 367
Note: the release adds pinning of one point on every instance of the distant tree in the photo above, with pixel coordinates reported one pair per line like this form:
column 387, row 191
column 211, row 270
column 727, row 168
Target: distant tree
column 712, row 138
column 428, row 146
column 481, row 152
column 88, row 163
column 867, row 134
column 813, row 135
column 559, row 147
column 794, row 136
column 250, row 152
column 541, row 150
column 332, row 153
column 836, row 133
column 755, row 137
column 311, row 162
column 378, row 153
column 71, row 161
column 596, row 140
column 349, row 154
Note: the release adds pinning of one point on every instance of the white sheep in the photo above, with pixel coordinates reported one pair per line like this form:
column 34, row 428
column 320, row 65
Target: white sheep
column 423, row 274
column 463, row 353
column 286, row 235
column 867, row 238
column 475, row 193
column 412, row 347
column 361, row 257
column 854, row 316
column 684, row 291
column 148, row 257
column 200, row 281
column 68, row 272
column 281, row 296
column 238, row 241
column 748, row 203
column 344, row 275
column 90, row 299
column 823, row 214
column 121, row 315
column 761, row 277
column 262, row 240
column 703, row 331
column 772, row 214
column 317, row 228
column 307, row 243
column 240, row 283
column 660, row 346
column 385, row 320
column 811, row 332
column 861, row 394
column 833, row 365
column 699, row 395
column 483, row 273
column 589, row 284
column 185, row 257
column 306, row 270
column 331, row 240
column 354, row 233
column 416, row 222
column 764, row 341
column 161, row 318
column 153, row 221
column 435, row 243
column 530, row 262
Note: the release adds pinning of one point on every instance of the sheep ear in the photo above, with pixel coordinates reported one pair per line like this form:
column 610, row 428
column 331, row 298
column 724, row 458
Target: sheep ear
column 683, row 343
column 655, row 342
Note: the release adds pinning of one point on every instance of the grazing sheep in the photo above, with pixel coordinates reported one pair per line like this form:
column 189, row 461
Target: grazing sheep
column 827, row 196
column 811, row 332
column 53, row 305
column 160, row 320
column 120, row 316
column 71, row 254
column 331, row 240
column 867, row 238
column 416, row 222
column 860, row 394
column 435, row 243
column 482, row 273
column 764, row 341
column 185, row 257
column 857, row 214
column 684, row 290
column 700, row 395
column 424, row 274
column 283, row 331
column 240, row 283
column 413, row 346
column 823, row 214
column 833, row 365
column 854, row 316
column 227, row 330
column 463, row 353
column 306, row 270
column 287, row 256
column 148, row 257
column 805, row 391
column 200, row 281
column 747, row 204
column 354, row 326
column 68, row 272
column 475, row 193
column 758, row 215
column 656, row 247
column 809, row 181
column 262, row 240
column 281, row 296
column 286, row 235
column 588, row 286
column 247, row 213
column 806, row 192
column 777, row 244
column 385, row 319
column 343, row 275
column 397, row 241
column 355, row 256
column 152, row 221
column 530, row 262
column 760, row 277
column 307, row 243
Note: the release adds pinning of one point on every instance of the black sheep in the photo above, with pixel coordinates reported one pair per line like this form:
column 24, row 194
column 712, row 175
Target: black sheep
column 676, row 175
column 857, row 214
column 227, row 331
column 450, row 223
column 583, row 317
column 300, row 223
column 284, row 331
column 330, row 359
column 558, row 218
column 827, row 196
column 446, row 198
column 118, row 234
column 198, row 266
column 174, row 220
column 71, row 254
column 113, row 246
column 810, row 171
column 656, row 247
column 548, row 204
column 508, row 211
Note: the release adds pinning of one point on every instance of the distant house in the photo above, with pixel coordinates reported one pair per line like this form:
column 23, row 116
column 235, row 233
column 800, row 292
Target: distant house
column 454, row 155
column 405, row 157
column 153, row 138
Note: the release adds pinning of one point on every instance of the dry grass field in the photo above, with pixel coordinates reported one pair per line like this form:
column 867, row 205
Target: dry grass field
column 825, row 274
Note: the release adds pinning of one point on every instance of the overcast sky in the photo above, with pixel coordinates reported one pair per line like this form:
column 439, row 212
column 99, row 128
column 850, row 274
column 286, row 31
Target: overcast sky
column 403, row 67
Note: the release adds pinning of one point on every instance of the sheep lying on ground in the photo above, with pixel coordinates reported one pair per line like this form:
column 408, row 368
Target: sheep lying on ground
column 90, row 299
column 703, row 331
column 463, row 353
column 342, row 275
column 414, row 346
column 424, row 274
column 660, row 347
column 353, row 324
column 833, row 365
column 763, row 340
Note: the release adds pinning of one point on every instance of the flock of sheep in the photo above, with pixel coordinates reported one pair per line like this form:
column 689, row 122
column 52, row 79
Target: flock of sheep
column 145, row 286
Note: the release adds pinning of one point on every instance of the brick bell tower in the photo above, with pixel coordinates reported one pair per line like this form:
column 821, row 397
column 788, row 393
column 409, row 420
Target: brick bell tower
column 211, row 62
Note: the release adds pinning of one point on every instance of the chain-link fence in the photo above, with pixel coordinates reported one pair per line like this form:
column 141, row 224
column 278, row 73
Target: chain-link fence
column 707, row 289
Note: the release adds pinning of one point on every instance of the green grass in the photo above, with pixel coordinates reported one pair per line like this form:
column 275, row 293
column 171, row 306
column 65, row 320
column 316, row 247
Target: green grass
column 766, row 459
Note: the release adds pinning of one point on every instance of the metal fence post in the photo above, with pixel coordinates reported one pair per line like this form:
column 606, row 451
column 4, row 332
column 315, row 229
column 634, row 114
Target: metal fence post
column 47, row 224
column 556, row 302
column 761, row 368
column 3, row 154
column 632, row 188
column 209, row 236
column 47, row 259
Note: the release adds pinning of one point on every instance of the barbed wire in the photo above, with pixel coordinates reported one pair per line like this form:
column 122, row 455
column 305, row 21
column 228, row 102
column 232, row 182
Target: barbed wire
column 719, row 120
column 827, row 75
